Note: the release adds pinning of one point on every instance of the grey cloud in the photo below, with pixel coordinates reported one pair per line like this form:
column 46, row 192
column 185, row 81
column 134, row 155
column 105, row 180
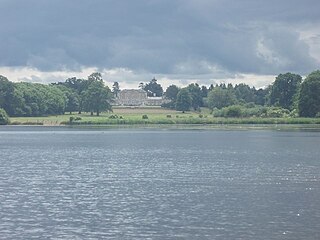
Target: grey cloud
column 165, row 37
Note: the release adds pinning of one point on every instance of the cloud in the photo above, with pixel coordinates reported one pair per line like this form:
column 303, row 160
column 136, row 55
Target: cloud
column 210, row 39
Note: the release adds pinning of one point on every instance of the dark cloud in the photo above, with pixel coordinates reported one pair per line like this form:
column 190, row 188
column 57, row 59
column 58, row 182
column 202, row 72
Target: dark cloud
column 158, row 36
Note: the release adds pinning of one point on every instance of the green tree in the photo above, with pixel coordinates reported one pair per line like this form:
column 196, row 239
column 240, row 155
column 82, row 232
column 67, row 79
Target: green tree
column 4, row 119
column 184, row 100
column 153, row 88
column 244, row 93
column 309, row 99
column 204, row 91
column 196, row 95
column 97, row 98
column 78, row 86
column 220, row 97
column 172, row 92
column 260, row 96
column 284, row 89
column 7, row 95
column 115, row 89
column 72, row 98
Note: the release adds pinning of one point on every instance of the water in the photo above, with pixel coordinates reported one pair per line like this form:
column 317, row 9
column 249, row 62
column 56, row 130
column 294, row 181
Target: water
column 60, row 183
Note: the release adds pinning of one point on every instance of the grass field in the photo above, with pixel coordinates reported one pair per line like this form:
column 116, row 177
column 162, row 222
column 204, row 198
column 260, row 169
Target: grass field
column 134, row 116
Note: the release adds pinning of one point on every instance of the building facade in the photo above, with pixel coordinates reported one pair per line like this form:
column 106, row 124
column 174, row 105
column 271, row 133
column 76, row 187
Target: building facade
column 137, row 97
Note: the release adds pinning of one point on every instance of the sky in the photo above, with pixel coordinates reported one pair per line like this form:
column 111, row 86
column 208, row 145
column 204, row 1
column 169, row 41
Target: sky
column 175, row 41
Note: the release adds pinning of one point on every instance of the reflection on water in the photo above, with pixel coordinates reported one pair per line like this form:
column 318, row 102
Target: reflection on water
column 156, row 184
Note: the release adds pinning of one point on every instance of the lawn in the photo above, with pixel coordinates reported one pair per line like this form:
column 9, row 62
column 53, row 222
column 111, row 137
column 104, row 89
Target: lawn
column 152, row 115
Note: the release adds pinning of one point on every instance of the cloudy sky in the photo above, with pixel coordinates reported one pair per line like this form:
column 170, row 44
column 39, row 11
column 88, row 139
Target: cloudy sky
column 176, row 41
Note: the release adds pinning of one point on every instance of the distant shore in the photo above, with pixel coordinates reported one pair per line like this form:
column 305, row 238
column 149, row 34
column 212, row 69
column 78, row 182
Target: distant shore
column 153, row 117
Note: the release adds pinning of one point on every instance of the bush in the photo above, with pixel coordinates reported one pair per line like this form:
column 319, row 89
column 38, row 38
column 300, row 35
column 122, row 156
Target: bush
column 113, row 116
column 168, row 116
column 4, row 119
column 144, row 116
column 233, row 111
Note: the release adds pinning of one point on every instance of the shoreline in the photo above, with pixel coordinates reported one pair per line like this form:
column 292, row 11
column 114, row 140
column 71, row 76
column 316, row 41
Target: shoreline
column 277, row 127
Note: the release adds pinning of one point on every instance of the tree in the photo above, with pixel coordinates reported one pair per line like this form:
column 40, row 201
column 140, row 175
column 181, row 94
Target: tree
column 97, row 98
column 309, row 99
column 220, row 97
column 260, row 96
column 153, row 88
column 115, row 89
column 204, row 91
column 184, row 100
column 7, row 95
column 4, row 119
column 172, row 92
column 284, row 89
column 244, row 93
column 72, row 98
column 196, row 95
column 96, row 76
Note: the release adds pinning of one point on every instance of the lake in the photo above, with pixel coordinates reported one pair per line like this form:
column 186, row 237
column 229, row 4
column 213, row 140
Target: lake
column 69, row 183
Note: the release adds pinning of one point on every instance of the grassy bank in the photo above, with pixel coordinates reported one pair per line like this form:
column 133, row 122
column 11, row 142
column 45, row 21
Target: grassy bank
column 150, row 116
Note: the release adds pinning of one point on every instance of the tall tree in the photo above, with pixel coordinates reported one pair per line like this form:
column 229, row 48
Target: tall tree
column 172, row 92
column 220, row 97
column 153, row 88
column 7, row 95
column 97, row 98
column 309, row 98
column 244, row 93
column 284, row 89
column 184, row 100
column 196, row 95
column 204, row 91
column 115, row 89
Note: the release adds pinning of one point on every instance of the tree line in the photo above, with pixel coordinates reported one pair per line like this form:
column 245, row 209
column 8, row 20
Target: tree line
column 289, row 94
column 34, row 99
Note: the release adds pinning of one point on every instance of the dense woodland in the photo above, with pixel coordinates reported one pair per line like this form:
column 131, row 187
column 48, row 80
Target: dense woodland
column 288, row 96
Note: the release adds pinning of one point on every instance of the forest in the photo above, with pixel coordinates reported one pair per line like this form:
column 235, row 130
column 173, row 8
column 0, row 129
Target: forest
column 288, row 96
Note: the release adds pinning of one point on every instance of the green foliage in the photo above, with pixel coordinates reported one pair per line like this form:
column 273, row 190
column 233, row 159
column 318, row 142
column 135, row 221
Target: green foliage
column 97, row 97
column 38, row 99
column 248, row 110
column 144, row 116
column 284, row 90
column 153, row 88
column 4, row 119
column 115, row 89
column 184, row 100
column 196, row 95
column 309, row 100
column 220, row 97
column 234, row 111
column 72, row 98
column 172, row 92
column 244, row 93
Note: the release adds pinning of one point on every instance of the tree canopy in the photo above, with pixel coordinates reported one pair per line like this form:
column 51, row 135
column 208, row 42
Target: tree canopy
column 153, row 88
column 184, row 100
column 309, row 100
column 284, row 89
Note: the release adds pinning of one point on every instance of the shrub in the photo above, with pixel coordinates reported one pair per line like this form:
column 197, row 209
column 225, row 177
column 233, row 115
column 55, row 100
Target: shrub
column 200, row 116
column 113, row 117
column 4, row 119
column 144, row 116
column 168, row 116
column 233, row 111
